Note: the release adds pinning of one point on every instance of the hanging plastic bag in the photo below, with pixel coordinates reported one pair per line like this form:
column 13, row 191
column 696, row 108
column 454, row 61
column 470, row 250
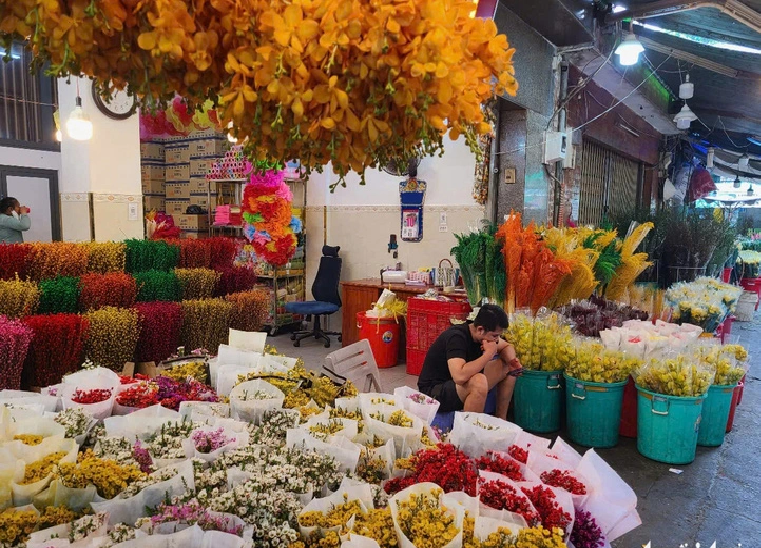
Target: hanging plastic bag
column 477, row 433
column 250, row 400
column 417, row 403
column 425, row 489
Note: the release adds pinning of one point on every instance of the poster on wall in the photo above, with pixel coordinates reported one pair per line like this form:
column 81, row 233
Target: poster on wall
column 412, row 194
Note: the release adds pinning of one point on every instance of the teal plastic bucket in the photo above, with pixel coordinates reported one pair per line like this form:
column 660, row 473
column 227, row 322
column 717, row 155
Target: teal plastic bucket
column 667, row 426
column 715, row 414
column 539, row 401
column 593, row 411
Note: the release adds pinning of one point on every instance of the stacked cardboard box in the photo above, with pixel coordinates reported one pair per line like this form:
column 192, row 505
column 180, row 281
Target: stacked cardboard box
column 174, row 176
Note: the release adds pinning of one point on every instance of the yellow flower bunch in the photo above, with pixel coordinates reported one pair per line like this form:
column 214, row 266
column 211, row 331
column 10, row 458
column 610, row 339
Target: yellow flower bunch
column 195, row 370
column 109, row 477
column 539, row 537
column 113, row 336
column 397, row 418
column 738, row 351
column 197, row 283
column 543, row 343
column 56, row 515
column 723, row 360
column 377, row 525
column 342, row 413
column 678, row 376
column 16, row 526
column 371, row 470
column 568, row 245
column 595, row 363
column 352, row 82
column 426, row 440
column 425, row 522
column 250, row 309
column 278, row 380
column 632, row 264
column 307, row 412
column 409, row 463
column 18, row 299
column 297, row 399
column 336, row 516
column 323, row 539
column 323, row 430
column 205, row 323
column 29, row 439
column 105, row 257
column 40, row 469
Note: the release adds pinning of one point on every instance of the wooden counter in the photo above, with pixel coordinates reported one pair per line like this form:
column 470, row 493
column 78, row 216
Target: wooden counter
column 359, row 296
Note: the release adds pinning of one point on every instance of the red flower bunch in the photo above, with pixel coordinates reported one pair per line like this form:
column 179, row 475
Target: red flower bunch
column 445, row 466
column 160, row 324
column 223, row 251
column 123, row 379
column 193, row 253
column 113, row 289
column 499, row 464
column 140, row 396
column 586, row 533
column 13, row 261
column 94, row 395
column 546, row 504
column 564, row 480
column 57, row 348
column 15, row 338
column 171, row 392
column 518, row 453
column 235, row 279
column 501, row 496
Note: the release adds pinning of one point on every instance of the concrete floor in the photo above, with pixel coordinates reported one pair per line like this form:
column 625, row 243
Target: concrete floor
column 715, row 499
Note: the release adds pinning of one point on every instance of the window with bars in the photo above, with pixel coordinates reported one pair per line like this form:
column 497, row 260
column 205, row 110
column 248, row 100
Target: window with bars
column 610, row 183
column 28, row 101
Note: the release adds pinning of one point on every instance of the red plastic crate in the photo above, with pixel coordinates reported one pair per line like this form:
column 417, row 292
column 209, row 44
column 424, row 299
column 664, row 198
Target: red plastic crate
column 426, row 320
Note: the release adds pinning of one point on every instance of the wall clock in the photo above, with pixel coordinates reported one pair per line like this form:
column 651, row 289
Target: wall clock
column 119, row 106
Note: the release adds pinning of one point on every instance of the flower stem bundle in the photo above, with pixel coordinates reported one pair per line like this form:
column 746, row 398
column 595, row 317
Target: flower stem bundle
column 249, row 309
column 113, row 336
column 49, row 358
column 160, row 324
column 15, row 338
column 18, row 299
column 193, row 253
column 197, row 283
column 223, row 252
column 234, row 280
column 157, row 285
column 46, row 261
column 105, row 257
column 144, row 255
column 205, row 323
column 59, row 295
column 113, row 289
column 13, row 261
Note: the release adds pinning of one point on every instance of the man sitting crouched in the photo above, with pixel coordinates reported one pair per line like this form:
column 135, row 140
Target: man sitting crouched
column 468, row 360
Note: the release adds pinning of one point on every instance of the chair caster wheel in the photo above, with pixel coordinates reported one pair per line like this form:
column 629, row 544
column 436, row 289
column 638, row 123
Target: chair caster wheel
column 340, row 338
column 293, row 336
column 327, row 345
column 297, row 344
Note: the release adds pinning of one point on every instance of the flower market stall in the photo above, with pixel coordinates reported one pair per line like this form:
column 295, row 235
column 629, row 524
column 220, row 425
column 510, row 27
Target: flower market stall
column 270, row 454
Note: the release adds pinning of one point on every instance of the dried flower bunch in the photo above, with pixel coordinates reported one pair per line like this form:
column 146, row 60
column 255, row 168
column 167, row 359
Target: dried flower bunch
column 114, row 289
column 157, row 285
column 197, row 283
column 352, row 82
column 105, row 257
column 205, row 322
column 46, row 261
column 144, row 255
column 249, row 309
column 113, row 336
column 13, row 261
column 48, row 360
column 59, row 295
column 235, row 279
column 160, row 324
column 18, row 299
column 15, row 338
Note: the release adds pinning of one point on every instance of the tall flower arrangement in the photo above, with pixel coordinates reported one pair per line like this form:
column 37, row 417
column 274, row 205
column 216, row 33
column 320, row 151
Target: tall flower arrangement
column 250, row 309
column 197, row 283
column 157, row 285
column 205, row 323
column 160, row 324
column 355, row 83
column 13, row 261
column 113, row 336
column 45, row 261
column 48, row 360
column 267, row 212
column 234, row 280
column 113, row 289
column 143, row 255
column 106, row 257
column 59, row 295
column 18, row 299
column 14, row 343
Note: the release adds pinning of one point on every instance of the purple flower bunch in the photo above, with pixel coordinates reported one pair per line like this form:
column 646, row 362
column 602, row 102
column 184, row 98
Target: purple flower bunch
column 206, row 442
column 143, row 457
column 193, row 513
column 586, row 533
column 172, row 392
column 15, row 338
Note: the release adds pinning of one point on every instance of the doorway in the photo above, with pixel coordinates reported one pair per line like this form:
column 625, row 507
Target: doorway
column 36, row 189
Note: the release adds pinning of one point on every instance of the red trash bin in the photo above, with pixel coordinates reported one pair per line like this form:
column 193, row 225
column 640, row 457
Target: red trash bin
column 383, row 336
column 733, row 407
column 628, row 428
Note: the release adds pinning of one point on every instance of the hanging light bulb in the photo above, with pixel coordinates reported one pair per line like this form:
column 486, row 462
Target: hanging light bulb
column 629, row 49
column 737, row 183
column 58, row 135
column 684, row 117
column 710, row 157
column 742, row 162
column 687, row 89
column 750, row 190
column 79, row 126
column 230, row 137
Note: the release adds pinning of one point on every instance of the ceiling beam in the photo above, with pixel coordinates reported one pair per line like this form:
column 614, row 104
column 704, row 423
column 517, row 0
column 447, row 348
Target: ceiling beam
column 718, row 68
column 737, row 10
column 727, row 114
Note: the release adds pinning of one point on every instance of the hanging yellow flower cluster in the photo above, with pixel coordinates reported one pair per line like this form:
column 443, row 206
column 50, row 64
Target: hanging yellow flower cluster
column 353, row 82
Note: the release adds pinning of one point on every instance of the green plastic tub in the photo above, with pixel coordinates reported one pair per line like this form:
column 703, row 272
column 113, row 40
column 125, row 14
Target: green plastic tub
column 714, row 416
column 593, row 411
column 667, row 426
column 539, row 401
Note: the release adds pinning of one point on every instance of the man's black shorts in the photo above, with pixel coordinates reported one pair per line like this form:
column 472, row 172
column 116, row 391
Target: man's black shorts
column 446, row 394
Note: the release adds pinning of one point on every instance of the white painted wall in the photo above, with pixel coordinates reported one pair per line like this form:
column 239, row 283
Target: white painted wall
column 40, row 159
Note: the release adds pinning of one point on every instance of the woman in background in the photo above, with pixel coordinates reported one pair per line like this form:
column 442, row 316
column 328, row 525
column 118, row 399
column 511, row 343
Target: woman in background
column 14, row 219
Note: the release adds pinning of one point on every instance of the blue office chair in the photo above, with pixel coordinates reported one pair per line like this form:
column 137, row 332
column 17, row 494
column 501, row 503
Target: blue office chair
column 325, row 291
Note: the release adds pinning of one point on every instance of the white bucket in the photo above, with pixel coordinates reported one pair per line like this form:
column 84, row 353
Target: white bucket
column 746, row 306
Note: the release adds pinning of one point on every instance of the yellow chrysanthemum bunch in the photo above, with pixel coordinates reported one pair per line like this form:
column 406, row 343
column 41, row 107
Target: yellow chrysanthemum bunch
column 352, row 82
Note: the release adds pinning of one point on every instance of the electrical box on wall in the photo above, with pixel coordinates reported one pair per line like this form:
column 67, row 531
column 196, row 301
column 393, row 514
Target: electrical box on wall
column 555, row 145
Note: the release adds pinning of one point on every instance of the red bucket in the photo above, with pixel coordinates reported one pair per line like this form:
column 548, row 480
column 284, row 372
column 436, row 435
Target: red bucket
column 383, row 336
column 735, row 400
column 628, row 428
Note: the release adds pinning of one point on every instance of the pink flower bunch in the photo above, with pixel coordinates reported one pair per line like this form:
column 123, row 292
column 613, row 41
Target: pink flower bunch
column 206, row 442
column 143, row 457
column 193, row 513
column 15, row 338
